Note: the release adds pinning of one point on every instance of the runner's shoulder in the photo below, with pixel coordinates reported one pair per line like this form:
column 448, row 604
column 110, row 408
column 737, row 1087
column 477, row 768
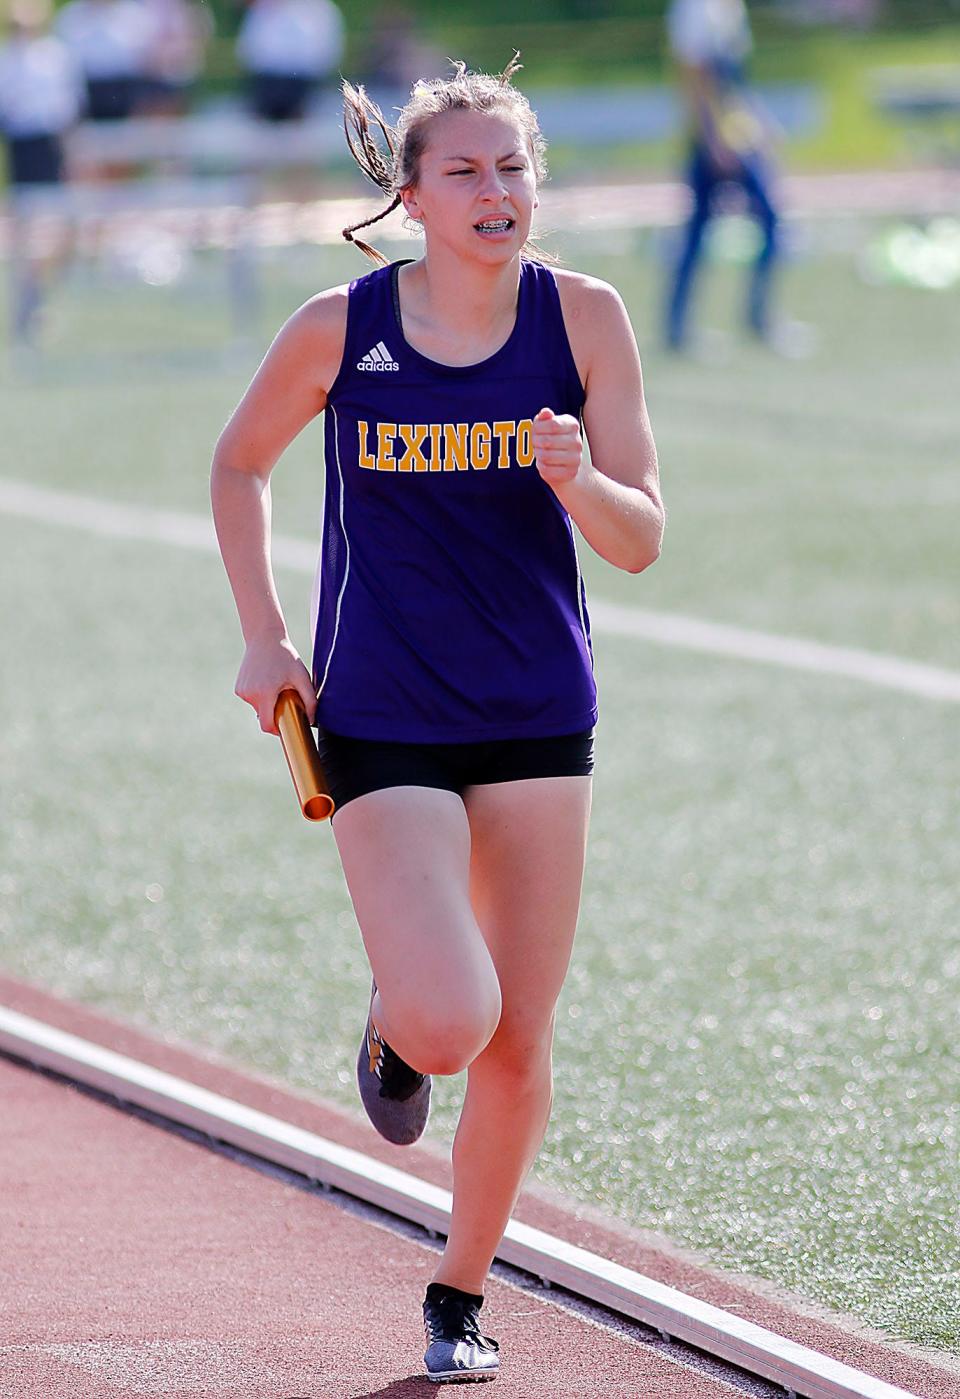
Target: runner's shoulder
column 583, row 296
column 314, row 336
column 597, row 323
column 323, row 316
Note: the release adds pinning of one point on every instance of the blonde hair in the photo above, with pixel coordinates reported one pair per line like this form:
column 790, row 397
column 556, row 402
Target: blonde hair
column 398, row 167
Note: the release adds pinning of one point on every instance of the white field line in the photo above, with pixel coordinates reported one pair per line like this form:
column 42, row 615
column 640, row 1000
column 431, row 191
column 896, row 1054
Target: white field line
column 187, row 531
column 794, row 652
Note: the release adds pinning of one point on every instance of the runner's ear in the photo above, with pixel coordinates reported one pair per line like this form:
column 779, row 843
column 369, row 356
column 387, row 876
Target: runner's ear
column 411, row 205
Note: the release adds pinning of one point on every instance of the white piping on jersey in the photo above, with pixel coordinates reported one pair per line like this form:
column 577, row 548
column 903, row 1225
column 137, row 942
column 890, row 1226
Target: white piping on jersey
column 576, row 564
column 346, row 542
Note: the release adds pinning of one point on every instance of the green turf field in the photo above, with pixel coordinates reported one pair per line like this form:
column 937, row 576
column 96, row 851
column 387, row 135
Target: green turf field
column 756, row 1047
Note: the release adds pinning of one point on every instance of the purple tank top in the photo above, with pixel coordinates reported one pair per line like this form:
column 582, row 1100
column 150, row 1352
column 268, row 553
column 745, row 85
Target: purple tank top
column 449, row 605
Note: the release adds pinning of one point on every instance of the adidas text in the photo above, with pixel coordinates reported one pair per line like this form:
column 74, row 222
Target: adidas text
column 377, row 360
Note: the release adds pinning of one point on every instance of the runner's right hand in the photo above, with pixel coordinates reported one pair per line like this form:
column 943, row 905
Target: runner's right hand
column 271, row 664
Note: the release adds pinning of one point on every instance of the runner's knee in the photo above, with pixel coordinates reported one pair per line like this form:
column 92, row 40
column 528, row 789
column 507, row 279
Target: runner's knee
column 520, row 1056
column 445, row 1031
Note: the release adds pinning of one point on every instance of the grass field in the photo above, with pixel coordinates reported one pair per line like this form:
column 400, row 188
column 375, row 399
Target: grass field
column 756, row 1047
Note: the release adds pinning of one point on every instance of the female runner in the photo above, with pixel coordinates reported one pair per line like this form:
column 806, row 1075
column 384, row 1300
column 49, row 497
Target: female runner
column 452, row 678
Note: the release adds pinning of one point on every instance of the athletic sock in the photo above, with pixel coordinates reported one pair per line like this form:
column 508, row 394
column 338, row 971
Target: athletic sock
column 437, row 1290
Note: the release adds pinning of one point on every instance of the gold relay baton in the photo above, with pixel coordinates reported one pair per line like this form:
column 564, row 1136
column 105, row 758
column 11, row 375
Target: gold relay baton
column 303, row 760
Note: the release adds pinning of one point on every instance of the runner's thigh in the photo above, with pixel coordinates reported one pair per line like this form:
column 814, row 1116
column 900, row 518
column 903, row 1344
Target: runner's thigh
column 529, row 841
column 406, row 857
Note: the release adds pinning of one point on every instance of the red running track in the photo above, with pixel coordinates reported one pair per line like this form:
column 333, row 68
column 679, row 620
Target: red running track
column 138, row 1265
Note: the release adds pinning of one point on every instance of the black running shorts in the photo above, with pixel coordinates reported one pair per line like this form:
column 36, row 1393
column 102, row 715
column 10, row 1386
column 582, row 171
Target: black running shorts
column 355, row 766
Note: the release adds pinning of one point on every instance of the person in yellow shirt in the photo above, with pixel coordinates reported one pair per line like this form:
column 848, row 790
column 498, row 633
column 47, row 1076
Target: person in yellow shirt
column 710, row 41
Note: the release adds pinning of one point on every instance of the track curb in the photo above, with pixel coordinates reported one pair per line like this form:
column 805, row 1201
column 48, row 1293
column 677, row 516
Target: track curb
column 608, row 1277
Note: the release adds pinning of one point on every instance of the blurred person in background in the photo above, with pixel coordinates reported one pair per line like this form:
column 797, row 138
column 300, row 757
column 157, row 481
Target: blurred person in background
column 180, row 32
column 41, row 95
column 729, row 138
column 110, row 41
column 394, row 53
column 288, row 48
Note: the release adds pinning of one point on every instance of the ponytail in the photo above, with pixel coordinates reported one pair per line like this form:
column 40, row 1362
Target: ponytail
column 359, row 111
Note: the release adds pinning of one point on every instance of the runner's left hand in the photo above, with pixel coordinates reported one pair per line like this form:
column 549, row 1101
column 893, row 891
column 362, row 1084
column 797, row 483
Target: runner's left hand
column 557, row 446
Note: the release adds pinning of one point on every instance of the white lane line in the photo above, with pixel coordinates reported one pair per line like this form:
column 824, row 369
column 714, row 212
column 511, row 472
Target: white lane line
column 796, row 1367
column 118, row 520
column 188, row 531
column 794, row 652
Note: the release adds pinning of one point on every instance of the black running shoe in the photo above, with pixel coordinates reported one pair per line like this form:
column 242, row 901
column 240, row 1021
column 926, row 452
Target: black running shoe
column 457, row 1350
column 396, row 1097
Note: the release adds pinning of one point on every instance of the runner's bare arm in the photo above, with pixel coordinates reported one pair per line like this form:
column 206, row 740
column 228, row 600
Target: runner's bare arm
column 615, row 497
column 287, row 392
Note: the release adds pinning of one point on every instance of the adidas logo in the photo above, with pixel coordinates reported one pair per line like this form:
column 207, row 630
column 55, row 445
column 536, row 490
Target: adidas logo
column 377, row 360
